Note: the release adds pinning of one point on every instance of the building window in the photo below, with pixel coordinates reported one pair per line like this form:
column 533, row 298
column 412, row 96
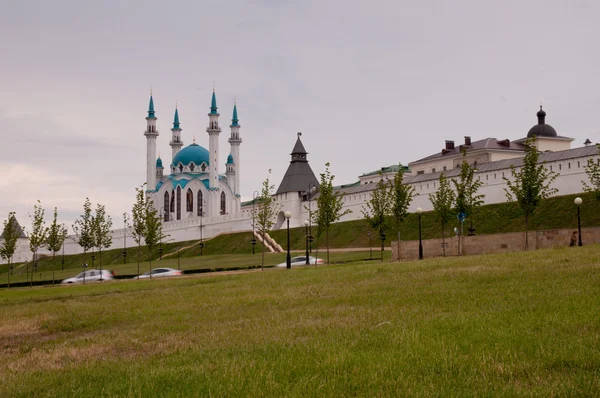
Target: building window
column 569, row 166
column 433, row 169
column 578, row 165
column 172, row 201
column 223, row 209
column 494, row 176
column 444, row 168
column 192, row 166
column 180, row 167
column 203, row 167
column 420, row 172
column 166, row 206
column 179, row 203
column 200, row 209
column 560, row 166
column 189, row 201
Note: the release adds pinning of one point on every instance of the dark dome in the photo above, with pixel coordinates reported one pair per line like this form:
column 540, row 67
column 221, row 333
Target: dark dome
column 541, row 129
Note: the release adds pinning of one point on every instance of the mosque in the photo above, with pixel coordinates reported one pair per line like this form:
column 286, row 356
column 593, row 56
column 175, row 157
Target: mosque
column 192, row 187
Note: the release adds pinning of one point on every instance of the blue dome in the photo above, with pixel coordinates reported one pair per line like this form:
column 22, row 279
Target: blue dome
column 229, row 159
column 159, row 162
column 192, row 153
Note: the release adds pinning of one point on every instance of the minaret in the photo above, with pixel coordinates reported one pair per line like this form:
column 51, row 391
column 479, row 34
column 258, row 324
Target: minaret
column 151, row 133
column 230, row 172
column 213, row 131
column 159, row 168
column 176, row 142
column 235, row 142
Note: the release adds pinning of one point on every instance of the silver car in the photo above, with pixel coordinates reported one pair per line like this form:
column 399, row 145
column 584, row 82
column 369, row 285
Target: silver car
column 160, row 272
column 91, row 276
column 301, row 260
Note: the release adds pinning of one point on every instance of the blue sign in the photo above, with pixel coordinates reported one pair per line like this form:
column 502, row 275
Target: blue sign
column 461, row 217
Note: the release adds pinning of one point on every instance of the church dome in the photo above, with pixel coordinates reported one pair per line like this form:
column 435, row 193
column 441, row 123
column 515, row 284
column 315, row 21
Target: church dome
column 192, row 153
column 542, row 129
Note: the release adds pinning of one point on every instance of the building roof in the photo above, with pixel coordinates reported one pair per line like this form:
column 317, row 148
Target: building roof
column 389, row 169
column 176, row 120
column 20, row 232
column 151, row 108
column 234, row 119
column 213, row 104
column 192, row 153
column 299, row 175
column 541, row 129
column 484, row 144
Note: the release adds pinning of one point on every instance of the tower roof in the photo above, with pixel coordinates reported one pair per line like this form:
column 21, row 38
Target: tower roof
column 213, row 104
column 541, row 129
column 234, row 119
column 299, row 175
column 151, row 107
column 229, row 159
column 19, row 229
column 176, row 119
column 159, row 162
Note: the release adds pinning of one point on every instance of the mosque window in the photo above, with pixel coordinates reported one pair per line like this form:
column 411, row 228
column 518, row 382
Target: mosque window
column 203, row 167
column 166, row 205
column 578, row 164
column 179, row 203
column 172, row 201
column 180, row 167
column 192, row 166
column 223, row 209
column 189, row 200
column 200, row 203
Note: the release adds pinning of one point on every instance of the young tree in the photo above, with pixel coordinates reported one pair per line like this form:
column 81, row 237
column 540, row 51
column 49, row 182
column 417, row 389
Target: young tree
column 377, row 209
column 592, row 169
column 265, row 211
column 102, row 236
column 329, row 206
column 82, row 228
column 138, row 218
column 38, row 234
column 401, row 195
column 466, row 187
column 55, row 239
column 153, row 231
column 531, row 184
column 10, row 234
column 442, row 201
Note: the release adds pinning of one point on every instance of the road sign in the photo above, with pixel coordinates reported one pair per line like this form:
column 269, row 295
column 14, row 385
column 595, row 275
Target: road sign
column 461, row 216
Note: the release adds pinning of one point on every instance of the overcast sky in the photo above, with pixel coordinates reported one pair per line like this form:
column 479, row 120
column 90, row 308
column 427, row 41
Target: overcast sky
column 368, row 83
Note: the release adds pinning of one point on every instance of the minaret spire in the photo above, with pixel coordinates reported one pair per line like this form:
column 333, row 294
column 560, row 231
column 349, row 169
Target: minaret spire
column 151, row 133
column 176, row 142
column 235, row 141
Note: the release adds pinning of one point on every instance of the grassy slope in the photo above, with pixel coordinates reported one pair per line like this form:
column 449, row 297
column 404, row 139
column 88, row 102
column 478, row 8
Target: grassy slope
column 496, row 325
column 557, row 212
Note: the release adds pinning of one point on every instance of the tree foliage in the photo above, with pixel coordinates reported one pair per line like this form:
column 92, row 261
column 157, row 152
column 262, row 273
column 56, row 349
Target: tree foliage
column 592, row 169
column 10, row 235
column 138, row 213
column 101, row 226
column 377, row 208
column 265, row 211
column 466, row 188
column 39, row 231
column 443, row 201
column 401, row 196
column 56, row 235
column 530, row 185
column 83, row 227
column 329, row 206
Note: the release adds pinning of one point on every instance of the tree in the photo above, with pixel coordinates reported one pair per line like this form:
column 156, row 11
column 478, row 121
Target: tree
column 378, row 208
column 55, row 239
column 10, row 234
column 329, row 206
column 138, row 219
column 531, row 184
column 102, row 236
column 264, row 213
column 466, row 187
column 401, row 195
column 82, row 228
column 592, row 169
column 153, row 231
column 38, row 234
column 442, row 201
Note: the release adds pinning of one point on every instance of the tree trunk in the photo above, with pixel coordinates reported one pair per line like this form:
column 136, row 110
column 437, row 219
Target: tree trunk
column 443, row 240
column 262, row 261
column 327, row 243
column 53, row 257
column 316, row 254
column 150, row 267
column 139, row 248
column 398, row 242
column 9, row 271
column 100, row 260
column 526, row 231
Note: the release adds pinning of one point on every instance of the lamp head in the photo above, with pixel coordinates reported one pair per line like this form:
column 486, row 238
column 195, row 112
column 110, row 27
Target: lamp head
column 306, row 223
column 288, row 214
column 578, row 201
column 419, row 210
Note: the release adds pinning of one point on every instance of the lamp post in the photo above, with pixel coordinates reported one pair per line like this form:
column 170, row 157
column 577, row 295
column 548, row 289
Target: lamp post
column 201, row 217
column 124, row 238
column 288, row 260
column 370, row 249
column 306, row 241
column 311, row 188
column 382, row 236
column 160, row 248
column 419, row 211
column 253, row 241
column 578, row 201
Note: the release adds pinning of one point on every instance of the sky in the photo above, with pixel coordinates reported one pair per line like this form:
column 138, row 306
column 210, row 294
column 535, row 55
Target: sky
column 369, row 84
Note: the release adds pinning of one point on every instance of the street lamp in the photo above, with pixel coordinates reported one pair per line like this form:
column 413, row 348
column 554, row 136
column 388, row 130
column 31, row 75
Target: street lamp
column 382, row 236
column 370, row 250
column 201, row 217
column 306, row 241
column 419, row 211
column 160, row 248
column 288, row 260
column 311, row 188
column 253, row 241
column 124, row 238
column 578, row 201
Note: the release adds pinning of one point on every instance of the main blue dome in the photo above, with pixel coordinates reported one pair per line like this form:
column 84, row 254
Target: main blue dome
column 192, row 153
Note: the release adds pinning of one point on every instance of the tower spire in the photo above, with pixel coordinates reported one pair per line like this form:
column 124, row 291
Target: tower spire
column 151, row 106
column 213, row 103
column 176, row 142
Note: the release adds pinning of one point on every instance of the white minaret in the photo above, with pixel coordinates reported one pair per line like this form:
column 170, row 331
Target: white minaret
column 230, row 172
column 235, row 142
column 213, row 131
column 151, row 133
column 176, row 142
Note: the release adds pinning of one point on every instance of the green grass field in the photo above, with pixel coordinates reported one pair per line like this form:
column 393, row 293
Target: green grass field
column 497, row 325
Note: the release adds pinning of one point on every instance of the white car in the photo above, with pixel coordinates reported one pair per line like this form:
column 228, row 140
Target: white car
column 301, row 260
column 91, row 276
column 160, row 272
